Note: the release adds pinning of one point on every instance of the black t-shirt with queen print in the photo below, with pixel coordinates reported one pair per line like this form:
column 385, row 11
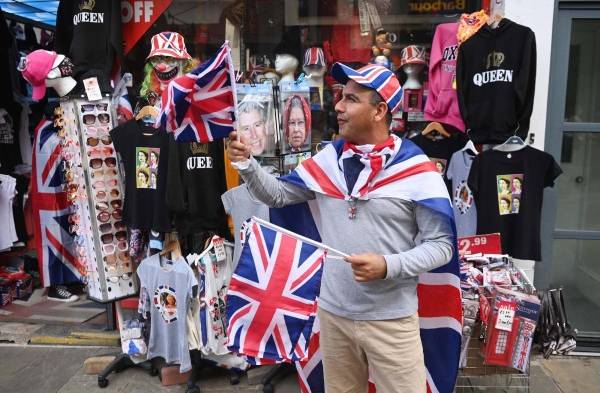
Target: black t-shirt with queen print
column 508, row 190
column 145, row 154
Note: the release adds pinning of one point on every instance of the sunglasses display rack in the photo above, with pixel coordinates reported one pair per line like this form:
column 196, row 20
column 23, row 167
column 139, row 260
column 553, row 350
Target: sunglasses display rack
column 79, row 224
column 114, row 278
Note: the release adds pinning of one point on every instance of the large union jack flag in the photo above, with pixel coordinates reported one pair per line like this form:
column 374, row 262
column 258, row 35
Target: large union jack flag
column 271, row 301
column 403, row 172
column 55, row 245
column 200, row 106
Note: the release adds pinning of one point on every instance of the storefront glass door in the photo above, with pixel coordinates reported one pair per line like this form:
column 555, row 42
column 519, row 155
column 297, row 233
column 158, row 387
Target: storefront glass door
column 574, row 137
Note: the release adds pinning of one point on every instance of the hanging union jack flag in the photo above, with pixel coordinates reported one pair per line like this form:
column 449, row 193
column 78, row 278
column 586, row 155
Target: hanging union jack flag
column 55, row 245
column 271, row 302
column 199, row 106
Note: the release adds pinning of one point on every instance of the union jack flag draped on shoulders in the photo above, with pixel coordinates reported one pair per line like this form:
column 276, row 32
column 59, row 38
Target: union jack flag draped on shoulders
column 271, row 301
column 200, row 106
column 401, row 170
column 55, row 246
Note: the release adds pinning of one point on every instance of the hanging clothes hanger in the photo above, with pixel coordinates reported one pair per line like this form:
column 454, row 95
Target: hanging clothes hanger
column 148, row 111
column 469, row 147
column 435, row 129
column 172, row 248
column 513, row 143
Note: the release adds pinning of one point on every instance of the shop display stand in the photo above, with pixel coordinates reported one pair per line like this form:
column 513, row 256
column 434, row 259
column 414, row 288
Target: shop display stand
column 93, row 119
column 198, row 364
column 123, row 361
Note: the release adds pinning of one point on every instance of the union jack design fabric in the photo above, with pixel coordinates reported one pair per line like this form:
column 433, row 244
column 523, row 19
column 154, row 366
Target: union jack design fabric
column 271, row 301
column 374, row 77
column 200, row 106
column 169, row 44
column 314, row 56
column 124, row 109
column 55, row 245
column 310, row 371
column 407, row 174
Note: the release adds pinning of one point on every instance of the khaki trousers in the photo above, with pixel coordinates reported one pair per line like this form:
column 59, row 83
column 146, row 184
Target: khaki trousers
column 390, row 349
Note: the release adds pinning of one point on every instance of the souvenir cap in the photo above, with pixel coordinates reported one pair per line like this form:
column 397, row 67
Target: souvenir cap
column 374, row 77
column 168, row 44
column 35, row 68
column 314, row 56
column 413, row 54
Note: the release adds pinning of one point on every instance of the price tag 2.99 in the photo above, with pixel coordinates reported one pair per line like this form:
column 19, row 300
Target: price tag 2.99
column 219, row 244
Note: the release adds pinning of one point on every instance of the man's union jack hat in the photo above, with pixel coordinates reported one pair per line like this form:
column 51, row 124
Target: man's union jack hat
column 374, row 77
column 169, row 44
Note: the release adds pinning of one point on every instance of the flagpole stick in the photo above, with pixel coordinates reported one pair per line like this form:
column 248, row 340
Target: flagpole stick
column 233, row 87
column 300, row 237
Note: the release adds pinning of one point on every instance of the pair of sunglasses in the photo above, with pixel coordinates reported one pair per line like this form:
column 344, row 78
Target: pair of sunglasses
column 96, row 163
column 108, row 227
column 102, row 118
column 104, row 173
column 108, row 238
column 94, row 141
column 92, row 107
column 100, row 152
column 114, row 193
column 114, row 276
column 110, row 248
column 104, row 216
column 102, row 184
column 123, row 256
column 103, row 206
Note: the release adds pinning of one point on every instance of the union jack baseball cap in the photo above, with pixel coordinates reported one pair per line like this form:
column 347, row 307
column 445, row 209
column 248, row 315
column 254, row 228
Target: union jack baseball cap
column 413, row 54
column 314, row 56
column 168, row 44
column 374, row 77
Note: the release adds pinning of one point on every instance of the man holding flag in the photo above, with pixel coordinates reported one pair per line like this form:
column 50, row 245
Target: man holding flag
column 376, row 194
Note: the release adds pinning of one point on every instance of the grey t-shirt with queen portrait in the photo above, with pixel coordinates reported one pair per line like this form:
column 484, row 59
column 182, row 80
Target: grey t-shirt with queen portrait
column 463, row 202
column 167, row 288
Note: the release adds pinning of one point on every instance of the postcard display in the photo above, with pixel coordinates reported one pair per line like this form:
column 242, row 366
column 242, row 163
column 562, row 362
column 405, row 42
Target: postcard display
column 103, row 245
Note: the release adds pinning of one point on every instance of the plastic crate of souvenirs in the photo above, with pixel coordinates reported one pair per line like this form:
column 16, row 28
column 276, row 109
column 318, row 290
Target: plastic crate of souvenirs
column 500, row 314
column 21, row 282
column 7, row 291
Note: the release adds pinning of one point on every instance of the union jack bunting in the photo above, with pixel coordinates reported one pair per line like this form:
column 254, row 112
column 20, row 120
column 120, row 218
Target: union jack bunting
column 271, row 301
column 55, row 245
column 408, row 174
column 199, row 106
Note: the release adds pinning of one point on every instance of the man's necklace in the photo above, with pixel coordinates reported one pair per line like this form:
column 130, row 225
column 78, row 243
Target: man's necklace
column 352, row 208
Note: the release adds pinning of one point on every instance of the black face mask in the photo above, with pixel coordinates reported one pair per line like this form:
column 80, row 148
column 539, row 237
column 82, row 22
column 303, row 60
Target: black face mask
column 66, row 67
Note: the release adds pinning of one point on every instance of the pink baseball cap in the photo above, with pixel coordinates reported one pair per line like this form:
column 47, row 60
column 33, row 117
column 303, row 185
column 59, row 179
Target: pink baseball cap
column 35, row 69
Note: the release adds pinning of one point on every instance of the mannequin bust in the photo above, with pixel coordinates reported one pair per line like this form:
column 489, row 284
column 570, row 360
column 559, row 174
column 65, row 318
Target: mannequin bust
column 59, row 77
column 286, row 66
column 315, row 77
column 412, row 72
column 314, row 67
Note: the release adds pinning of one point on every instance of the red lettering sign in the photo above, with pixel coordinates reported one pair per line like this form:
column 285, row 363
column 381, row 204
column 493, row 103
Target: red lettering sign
column 484, row 244
column 137, row 16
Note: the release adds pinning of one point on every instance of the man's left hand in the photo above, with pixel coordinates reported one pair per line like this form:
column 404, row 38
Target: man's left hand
column 367, row 267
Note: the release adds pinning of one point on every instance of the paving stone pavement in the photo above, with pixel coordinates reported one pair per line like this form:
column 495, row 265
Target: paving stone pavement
column 50, row 369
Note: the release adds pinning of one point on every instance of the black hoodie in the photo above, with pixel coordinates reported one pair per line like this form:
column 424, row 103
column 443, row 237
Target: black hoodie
column 495, row 78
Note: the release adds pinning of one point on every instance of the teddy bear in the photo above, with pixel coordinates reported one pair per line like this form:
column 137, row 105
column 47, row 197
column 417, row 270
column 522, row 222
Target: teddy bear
column 382, row 46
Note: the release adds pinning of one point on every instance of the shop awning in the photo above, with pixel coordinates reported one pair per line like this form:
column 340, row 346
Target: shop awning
column 40, row 12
